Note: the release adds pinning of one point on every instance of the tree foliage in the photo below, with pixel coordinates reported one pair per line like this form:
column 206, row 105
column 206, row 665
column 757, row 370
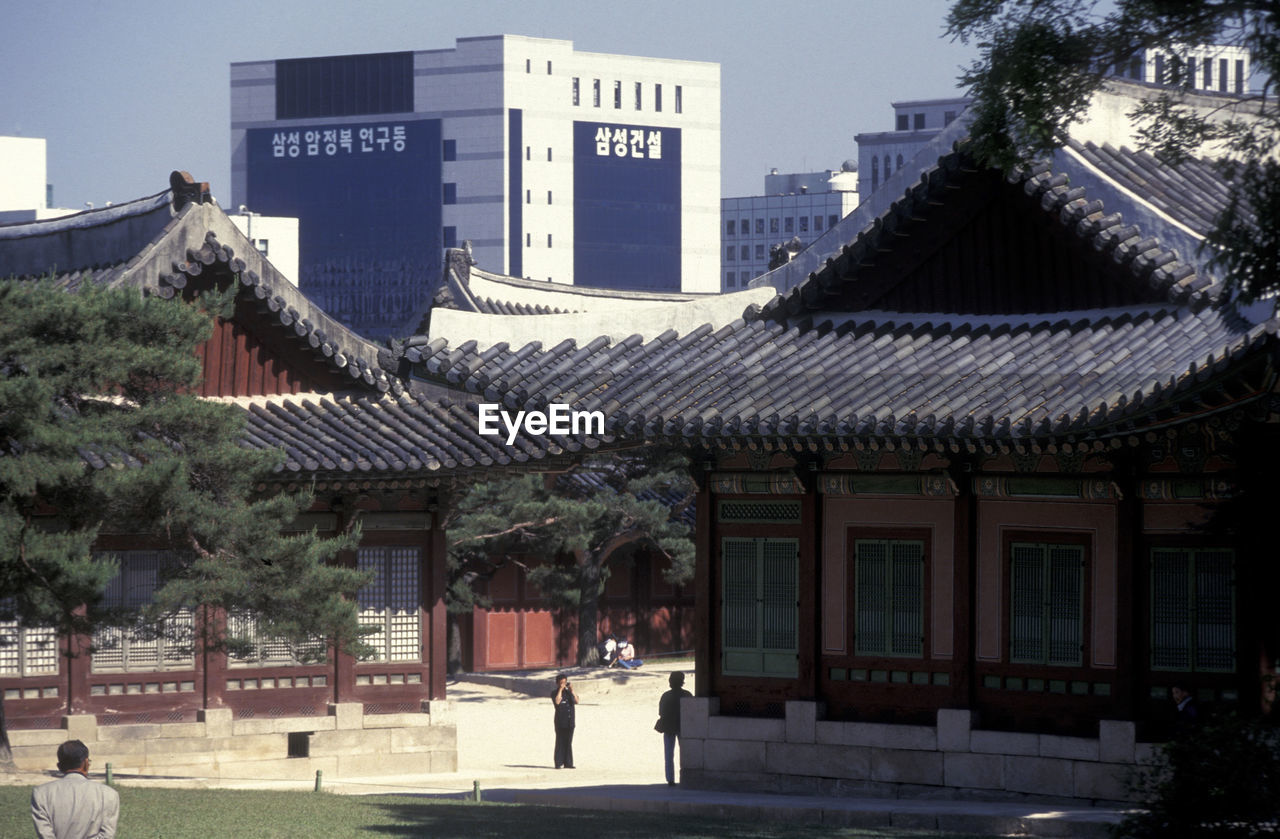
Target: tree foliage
column 1219, row 780
column 101, row 431
column 567, row 529
column 1041, row 61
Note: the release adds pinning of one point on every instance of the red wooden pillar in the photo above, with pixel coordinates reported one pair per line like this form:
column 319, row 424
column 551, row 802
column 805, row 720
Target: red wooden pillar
column 344, row 664
column 435, row 549
column 79, row 666
column 211, row 664
column 703, row 593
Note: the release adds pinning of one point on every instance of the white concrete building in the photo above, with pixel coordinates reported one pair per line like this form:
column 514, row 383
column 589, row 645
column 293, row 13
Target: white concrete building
column 275, row 238
column 915, row 123
column 1215, row 68
column 552, row 162
column 794, row 206
column 25, row 194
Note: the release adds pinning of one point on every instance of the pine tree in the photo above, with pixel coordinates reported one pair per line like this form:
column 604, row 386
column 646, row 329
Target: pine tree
column 101, row 431
column 577, row 524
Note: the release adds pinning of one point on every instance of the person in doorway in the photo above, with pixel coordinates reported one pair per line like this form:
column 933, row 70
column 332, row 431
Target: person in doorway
column 73, row 807
column 669, row 721
column 1186, row 715
column 564, row 699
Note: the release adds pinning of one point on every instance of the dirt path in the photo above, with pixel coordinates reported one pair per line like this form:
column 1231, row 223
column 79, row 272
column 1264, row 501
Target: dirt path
column 506, row 734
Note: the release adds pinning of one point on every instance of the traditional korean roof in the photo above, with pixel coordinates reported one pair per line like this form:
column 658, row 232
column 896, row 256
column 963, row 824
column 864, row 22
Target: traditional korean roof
column 491, row 309
column 367, row 435
column 370, row 423
column 180, row 237
column 1068, row 303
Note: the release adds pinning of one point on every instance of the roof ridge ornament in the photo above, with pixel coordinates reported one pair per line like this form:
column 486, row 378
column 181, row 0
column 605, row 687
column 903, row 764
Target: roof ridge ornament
column 186, row 190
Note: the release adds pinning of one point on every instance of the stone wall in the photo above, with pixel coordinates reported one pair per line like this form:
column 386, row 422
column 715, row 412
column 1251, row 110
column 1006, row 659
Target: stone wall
column 345, row 743
column 804, row 753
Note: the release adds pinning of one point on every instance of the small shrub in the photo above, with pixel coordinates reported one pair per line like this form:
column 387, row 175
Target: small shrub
column 1221, row 779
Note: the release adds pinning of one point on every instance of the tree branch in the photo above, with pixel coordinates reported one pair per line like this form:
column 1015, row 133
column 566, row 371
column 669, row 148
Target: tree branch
column 512, row 529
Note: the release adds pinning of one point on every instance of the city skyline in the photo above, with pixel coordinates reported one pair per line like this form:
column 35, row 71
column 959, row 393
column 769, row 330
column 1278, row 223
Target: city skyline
column 124, row 99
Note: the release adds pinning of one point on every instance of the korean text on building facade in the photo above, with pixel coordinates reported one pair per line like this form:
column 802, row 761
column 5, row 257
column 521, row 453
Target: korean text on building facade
column 330, row 141
column 628, row 142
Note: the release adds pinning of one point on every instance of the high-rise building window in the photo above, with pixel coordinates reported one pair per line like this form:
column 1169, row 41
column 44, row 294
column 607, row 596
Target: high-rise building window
column 804, row 224
column 595, row 92
column 833, row 220
column 888, row 167
column 1160, row 79
column 773, row 225
column 730, row 279
column 548, row 196
column 528, row 152
column 528, row 240
column 948, row 117
column 639, row 95
column 1208, row 74
column 657, row 98
column 679, row 99
column 899, row 163
column 919, row 122
column 528, row 65
column 575, row 90
column 1239, row 75
column 759, row 227
column 902, row 122
column 451, row 237
column 617, row 94
column 450, row 193
column 728, row 227
column 817, row 222
column 744, row 253
column 548, row 154
column 729, row 253
column 548, row 67
column 548, row 240
column 449, row 150
column 528, row 196
column 759, row 251
column 1222, row 75
column 745, row 226
column 789, row 224
column 1191, row 71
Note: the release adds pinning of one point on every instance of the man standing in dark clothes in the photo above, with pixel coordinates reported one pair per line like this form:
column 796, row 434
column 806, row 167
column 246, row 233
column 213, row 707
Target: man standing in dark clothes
column 564, row 699
column 669, row 721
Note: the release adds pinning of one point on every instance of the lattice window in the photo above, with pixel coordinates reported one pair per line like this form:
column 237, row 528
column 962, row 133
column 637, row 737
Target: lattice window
column 26, row 651
column 268, row 651
column 773, row 512
column 1192, row 610
column 760, row 610
column 391, row 603
column 1046, row 622
column 889, row 580
column 143, row 646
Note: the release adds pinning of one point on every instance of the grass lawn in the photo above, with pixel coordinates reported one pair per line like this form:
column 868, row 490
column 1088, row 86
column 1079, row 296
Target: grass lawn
column 212, row 814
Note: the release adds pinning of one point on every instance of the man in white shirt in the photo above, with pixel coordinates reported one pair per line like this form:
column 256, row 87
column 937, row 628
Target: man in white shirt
column 73, row 807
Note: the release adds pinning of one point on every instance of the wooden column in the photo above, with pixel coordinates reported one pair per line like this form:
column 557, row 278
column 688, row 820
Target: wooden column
column 211, row 666
column 79, row 666
column 436, row 549
column 703, row 579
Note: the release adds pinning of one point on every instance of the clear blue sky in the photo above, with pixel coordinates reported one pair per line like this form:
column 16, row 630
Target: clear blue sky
column 125, row 92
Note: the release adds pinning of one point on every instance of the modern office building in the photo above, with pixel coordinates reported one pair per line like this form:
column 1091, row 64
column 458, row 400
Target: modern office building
column 915, row 123
column 25, row 194
column 555, row 164
column 1215, row 68
column 794, row 206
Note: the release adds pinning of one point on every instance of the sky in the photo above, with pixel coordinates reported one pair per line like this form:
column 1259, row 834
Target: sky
column 127, row 91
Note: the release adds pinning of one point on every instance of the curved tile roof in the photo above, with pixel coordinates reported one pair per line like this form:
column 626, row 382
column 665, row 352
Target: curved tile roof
column 358, row 434
column 882, row 374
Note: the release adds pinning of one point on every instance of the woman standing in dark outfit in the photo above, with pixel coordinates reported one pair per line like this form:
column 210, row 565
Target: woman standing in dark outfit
column 669, row 721
column 564, row 699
